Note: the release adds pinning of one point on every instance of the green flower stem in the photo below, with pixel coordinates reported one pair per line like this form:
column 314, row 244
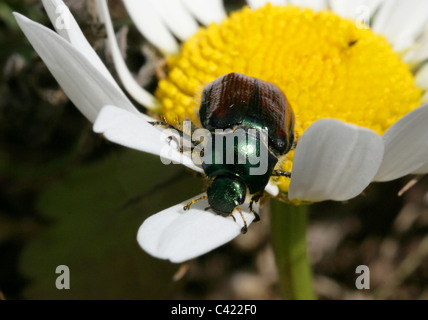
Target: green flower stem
column 288, row 233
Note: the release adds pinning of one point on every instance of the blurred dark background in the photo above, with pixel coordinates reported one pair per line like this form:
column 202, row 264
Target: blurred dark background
column 68, row 197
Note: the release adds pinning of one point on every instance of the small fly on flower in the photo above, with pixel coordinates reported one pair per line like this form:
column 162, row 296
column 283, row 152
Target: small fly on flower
column 258, row 121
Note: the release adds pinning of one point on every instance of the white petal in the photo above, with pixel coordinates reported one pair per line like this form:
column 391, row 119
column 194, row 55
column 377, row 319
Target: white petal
column 132, row 131
column 67, row 27
column 406, row 145
column 424, row 98
column 418, row 52
column 132, row 86
column 150, row 24
column 254, row 4
column 421, row 79
column 179, row 235
column 176, row 17
column 334, row 160
column 83, row 83
column 272, row 189
column 401, row 21
column 422, row 170
column 313, row 4
column 355, row 9
column 206, row 11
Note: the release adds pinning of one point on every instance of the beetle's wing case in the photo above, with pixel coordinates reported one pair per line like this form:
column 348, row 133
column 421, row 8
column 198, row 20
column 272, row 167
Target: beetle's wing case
column 237, row 99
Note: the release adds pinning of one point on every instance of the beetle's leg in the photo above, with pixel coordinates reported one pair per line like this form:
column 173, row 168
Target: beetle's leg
column 168, row 126
column 256, row 215
column 244, row 228
column 255, row 198
column 187, row 206
column 280, row 173
column 293, row 147
column 296, row 138
column 180, row 132
column 162, row 124
column 231, row 215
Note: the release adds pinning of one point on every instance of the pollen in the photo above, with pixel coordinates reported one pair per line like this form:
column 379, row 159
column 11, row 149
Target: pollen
column 326, row 66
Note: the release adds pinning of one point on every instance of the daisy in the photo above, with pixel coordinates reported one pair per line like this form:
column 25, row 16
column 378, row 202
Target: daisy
column 358, row 93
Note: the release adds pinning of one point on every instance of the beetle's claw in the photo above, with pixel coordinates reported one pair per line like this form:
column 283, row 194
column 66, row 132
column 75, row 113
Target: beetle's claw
column 256, row 216
column 244, row 229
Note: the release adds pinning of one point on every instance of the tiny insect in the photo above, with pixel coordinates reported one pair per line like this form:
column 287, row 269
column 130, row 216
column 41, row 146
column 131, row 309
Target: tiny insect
column 236, row 101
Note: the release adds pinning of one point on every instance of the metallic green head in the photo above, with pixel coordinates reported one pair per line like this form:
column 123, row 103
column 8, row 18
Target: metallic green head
column 226, row 193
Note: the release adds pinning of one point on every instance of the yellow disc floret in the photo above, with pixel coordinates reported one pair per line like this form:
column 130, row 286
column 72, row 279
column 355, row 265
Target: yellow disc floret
column 325, row 65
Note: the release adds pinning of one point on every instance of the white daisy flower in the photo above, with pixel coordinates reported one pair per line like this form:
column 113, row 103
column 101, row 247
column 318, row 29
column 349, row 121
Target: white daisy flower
column 358, row 100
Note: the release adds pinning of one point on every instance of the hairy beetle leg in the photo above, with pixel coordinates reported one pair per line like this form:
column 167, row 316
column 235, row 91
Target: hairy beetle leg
column 233, row 217
column 256, row 215
column 187, row 206
column 168, row 126
column 280, row 173
column 244, row 228
column 255, row 198
column 294, row 146
column 162, row 124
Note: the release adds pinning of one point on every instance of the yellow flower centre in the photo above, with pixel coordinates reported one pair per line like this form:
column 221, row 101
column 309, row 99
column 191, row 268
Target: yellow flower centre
column 325, row 65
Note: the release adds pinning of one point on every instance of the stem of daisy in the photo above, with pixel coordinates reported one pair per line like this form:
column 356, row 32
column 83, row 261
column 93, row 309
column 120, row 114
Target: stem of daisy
column 288, row 233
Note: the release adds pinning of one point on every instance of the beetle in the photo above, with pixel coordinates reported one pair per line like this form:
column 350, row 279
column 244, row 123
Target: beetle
column 238, row 102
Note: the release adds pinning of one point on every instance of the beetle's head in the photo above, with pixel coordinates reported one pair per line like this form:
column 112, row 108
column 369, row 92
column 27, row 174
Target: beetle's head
column 225, row 194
